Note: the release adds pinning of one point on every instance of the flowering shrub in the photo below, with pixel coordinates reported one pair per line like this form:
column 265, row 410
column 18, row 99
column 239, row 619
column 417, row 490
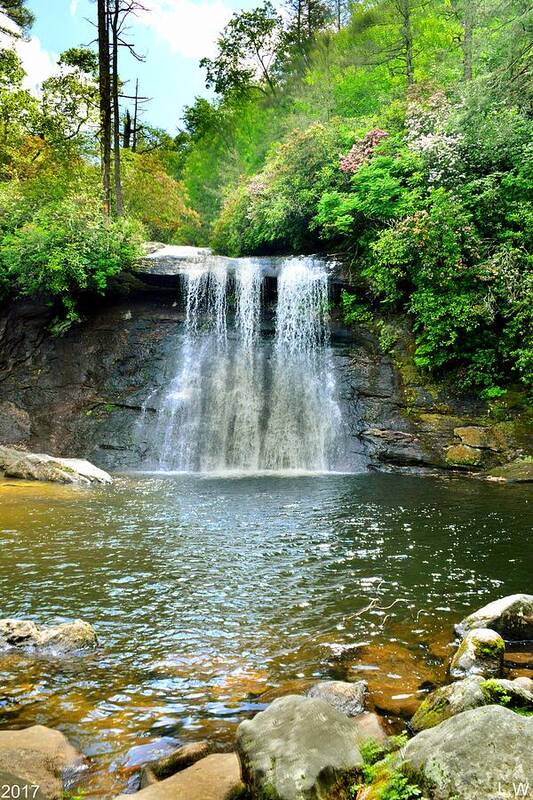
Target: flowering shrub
column 362, row 151
column 428, row 134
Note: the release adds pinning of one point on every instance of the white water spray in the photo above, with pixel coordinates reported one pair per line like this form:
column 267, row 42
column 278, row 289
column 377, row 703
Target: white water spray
column 239, row 402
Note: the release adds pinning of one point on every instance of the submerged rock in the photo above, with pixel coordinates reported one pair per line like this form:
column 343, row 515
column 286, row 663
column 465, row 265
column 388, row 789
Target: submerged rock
column 348, row 698
column 179, row 759
column 41, row 756
column 480, row 653
column 216, row 777
column 42, row 467
column 64, row 638
column 485, row 753
column 511, row 617
column 300, row 748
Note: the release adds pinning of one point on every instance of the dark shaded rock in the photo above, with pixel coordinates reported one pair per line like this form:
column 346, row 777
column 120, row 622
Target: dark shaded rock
column 15, row 424
column 300, row 748
column 511, row 617
column 484, row 753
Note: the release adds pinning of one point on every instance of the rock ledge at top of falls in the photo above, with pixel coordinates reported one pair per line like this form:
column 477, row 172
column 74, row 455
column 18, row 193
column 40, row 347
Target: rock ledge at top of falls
column 169, row 261
column 42, row 467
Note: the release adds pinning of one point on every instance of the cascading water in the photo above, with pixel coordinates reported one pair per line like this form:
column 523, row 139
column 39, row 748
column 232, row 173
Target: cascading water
column 240, row 401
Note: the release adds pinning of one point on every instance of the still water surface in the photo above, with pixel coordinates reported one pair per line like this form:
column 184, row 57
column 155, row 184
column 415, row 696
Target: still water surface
column 206, row 591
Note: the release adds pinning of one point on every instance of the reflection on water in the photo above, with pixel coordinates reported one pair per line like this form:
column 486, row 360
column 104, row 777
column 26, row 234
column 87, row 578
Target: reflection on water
column 207, row 591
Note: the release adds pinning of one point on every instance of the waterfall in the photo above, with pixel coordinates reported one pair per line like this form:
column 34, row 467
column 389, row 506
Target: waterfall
column 239, row 399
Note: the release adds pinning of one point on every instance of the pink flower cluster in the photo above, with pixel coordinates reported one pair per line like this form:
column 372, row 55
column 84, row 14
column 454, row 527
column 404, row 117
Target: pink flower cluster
column 361, row 151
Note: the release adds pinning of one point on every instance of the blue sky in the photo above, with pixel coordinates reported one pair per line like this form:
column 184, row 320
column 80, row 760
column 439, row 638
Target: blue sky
column 172, row 34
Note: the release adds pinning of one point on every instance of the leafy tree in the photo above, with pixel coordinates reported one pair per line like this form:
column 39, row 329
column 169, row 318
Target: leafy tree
column 18, row 13
column 247, row 50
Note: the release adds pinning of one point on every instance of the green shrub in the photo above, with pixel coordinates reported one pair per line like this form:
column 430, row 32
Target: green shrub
column 65, row 248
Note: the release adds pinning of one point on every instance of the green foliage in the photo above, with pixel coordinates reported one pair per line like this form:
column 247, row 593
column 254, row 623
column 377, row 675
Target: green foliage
column 157, row 200
column 400, row 788
column 273, row 211
column 65, row 247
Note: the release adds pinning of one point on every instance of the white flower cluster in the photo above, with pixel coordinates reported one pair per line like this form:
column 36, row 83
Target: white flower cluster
column 427, row 134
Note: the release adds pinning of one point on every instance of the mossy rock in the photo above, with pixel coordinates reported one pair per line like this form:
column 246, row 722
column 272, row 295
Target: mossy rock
column 515, row 472
column 480, row 653
column 461, row 455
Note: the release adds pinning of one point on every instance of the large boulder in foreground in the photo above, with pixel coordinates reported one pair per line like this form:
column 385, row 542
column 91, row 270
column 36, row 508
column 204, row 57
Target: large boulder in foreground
column 486, row 753
column 348, row 698
column 42, row 757
column 475, row 691
column 511, row 617
column 480, row 653
column 65, row 638
column 216, row 777
column 299, row 748
column 42, row 467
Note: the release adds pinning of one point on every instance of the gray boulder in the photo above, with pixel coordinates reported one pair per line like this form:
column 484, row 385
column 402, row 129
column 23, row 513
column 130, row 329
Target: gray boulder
column 348, row 698
column 511, row 617
column 64, row 638
column 472, row 692
column 41, row 756
column 482, row 754
column 480, row 653
column 299, row 748
column 447, row 701
column 42, row 467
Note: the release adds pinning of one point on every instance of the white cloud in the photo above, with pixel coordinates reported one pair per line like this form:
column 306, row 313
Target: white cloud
column 38, row 63
column 73, row 7
column 190, row 28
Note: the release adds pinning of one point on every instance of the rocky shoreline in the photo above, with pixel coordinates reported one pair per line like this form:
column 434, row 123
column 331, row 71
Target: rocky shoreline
column 470, row 739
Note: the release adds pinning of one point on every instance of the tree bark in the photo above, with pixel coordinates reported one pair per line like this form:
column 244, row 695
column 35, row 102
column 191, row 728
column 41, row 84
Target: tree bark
column 407, row 38
column 105, row 102
column 119, row 202
column 135, row 116
column 127, row 131
column 468, row 27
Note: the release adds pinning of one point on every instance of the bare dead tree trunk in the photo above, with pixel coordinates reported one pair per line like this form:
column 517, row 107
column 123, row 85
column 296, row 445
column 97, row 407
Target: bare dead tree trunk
column 115, row 25
column 105, row 102
column 407, row 38
column 468, row 28
column 127, row 131
column 135, row 116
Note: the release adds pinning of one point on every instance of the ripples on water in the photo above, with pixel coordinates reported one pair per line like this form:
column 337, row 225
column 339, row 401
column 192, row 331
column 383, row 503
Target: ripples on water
column 206, row 591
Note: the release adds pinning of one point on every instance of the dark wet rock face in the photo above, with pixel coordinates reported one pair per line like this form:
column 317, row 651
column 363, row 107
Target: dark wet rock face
column 82, row 394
